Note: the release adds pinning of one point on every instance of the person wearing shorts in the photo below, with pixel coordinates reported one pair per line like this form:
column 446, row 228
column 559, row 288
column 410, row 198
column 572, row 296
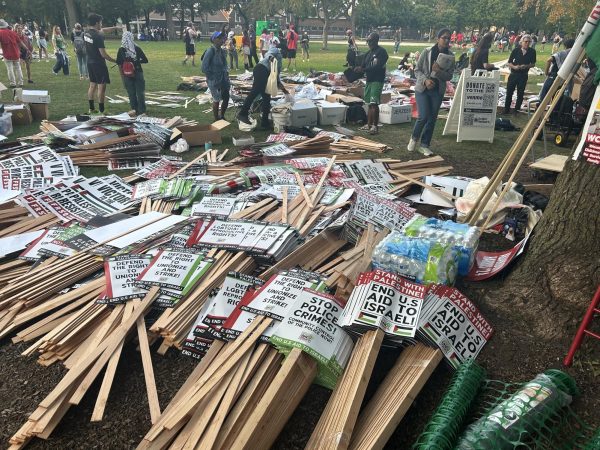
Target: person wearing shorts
column 292, row 46
column 189, row 38
column 96, row 62
column 374, row 67
column 214, row 66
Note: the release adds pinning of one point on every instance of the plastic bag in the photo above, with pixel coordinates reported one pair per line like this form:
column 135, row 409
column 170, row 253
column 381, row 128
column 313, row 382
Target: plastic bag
column 180, row 146
column 245, row 127
column 271, row 88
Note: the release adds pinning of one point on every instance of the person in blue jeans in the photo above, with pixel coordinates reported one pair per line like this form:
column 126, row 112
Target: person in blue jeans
column 214, row 66
column 135, row 84
column 429, row 91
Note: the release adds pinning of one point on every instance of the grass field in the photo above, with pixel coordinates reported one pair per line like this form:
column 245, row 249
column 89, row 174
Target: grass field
column 165, row 69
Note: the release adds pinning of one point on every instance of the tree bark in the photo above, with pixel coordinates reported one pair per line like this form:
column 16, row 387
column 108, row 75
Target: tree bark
column 169, row 20
column 71, row 13
column 353, row 17
column 553, row 283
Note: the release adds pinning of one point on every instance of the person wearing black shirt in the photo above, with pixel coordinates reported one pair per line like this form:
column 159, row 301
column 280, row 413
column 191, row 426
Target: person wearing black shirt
column 520, row 61
column 479, row 61
column 374, row 67
column 253, row 54
column 96, row 62
column 134, row 85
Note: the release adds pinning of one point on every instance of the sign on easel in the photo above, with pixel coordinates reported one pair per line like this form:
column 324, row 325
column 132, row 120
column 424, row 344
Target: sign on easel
column 473, row 112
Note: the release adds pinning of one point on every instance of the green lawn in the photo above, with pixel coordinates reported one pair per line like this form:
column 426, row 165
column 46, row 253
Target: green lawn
column 165, row 69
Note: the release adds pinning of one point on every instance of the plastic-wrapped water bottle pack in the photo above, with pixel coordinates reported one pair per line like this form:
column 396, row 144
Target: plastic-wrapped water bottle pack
column 462, row 237
column 428, row 250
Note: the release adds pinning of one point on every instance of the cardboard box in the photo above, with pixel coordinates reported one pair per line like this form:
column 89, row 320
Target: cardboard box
column 391, row 114
column 331, row 113
column 303, row 114
column 30, row 96
column 242, row 141
column 21, row 113
column 40, row 111
column 200, row 134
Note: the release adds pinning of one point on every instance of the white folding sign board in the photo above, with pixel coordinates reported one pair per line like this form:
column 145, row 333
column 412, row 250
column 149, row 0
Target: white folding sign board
column 473, row 113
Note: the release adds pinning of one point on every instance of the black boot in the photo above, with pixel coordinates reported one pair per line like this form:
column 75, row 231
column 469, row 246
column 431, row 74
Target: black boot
column 215, row 109
column 264, row 123
column 223, row 110
column 243, row 117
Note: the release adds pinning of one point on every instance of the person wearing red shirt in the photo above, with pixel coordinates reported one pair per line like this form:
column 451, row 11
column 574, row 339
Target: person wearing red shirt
column 10, row 43
column 292, row 45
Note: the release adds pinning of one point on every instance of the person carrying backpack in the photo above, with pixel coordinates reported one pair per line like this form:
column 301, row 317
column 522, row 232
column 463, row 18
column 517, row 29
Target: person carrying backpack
column 79, row 45
column 130, row 59
column 189, row 37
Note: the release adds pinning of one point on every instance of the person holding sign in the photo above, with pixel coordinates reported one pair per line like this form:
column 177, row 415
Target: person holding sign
column 214, row 66
column 434, row 67
column 374, row 66
column 521, row 59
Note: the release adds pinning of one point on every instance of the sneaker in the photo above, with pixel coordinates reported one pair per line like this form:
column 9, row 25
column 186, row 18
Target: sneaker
column 244, row 118
column 425, row 151
column 365, row 128
column 30, row 81
column 411, row 145
column 184, row 62
column 373, row 130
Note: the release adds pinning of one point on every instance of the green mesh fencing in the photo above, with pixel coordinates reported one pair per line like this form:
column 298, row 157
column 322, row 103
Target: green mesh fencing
column 505, row 416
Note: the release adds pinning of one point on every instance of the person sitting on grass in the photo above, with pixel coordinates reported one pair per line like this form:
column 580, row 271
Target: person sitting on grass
column 374, row 67
column 130, row 54
column 214, row 66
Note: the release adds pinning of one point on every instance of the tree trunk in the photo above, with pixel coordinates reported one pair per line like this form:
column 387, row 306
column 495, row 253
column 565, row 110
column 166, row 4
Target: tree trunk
column 325, row 30
column 554, row 281
column 181, row 17
column 353, row 17
column 169, row 20
column 71, row 13
column 147, row 17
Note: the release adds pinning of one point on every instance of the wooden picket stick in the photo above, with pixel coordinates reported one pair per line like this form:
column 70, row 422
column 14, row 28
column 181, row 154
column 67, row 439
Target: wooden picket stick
column 278, row 403
column 322, row 180
column 148, row 371
column 284, row 205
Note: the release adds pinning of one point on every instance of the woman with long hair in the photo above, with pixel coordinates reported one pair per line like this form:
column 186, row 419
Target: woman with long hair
column 60, row 50
column 479, row 60
column 25, row 53
column 429, row 91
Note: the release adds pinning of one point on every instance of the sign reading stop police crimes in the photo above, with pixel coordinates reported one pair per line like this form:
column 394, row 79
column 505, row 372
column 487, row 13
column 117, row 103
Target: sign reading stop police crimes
column 453, row 323
column 472, row 115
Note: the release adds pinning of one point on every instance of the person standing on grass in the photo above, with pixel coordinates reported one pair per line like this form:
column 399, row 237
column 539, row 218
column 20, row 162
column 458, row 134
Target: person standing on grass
column 97, row 57
column 43, row 36
column 60, row 51
column 189, row 37
column 214, row 66
column 429, row 91
column 480, row 59
column 246, row 50
column 397, row 40
column 26, row 51
column 232, row 50
column 264, row 42
column 11, row 49
column 374, row 67
column 553, row 64
column 305, row 42
column 79, row 45
column 260, row 77
column 130, row 54
column 292, row 47
column 352, row 50
column 253, row 55
column 521, row 59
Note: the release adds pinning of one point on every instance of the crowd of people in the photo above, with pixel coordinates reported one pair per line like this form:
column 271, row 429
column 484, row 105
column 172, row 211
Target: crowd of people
column 266, row 56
